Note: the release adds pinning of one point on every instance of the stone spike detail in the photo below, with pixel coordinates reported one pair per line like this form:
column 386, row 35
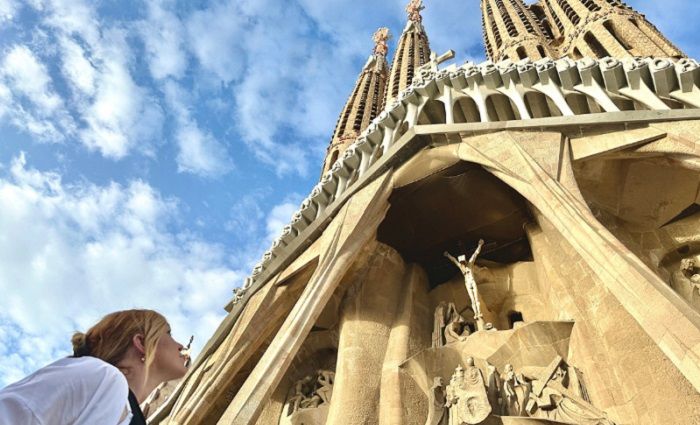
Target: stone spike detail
column 365, row 102
column 600, row 28
column 512, row 31
column 413, row 51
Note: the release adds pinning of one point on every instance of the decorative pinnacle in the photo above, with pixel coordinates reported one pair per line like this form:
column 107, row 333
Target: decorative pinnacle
column 380, row 38
column 413, row 9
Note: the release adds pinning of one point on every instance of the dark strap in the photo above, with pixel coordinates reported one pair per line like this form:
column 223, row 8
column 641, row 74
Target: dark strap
column 137, row 418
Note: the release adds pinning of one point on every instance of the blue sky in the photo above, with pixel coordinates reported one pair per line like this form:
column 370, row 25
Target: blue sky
column 151, row 151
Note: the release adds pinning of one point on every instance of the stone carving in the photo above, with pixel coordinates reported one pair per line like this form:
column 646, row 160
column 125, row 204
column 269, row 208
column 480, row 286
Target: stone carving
column 414, row 8
column 550, row 397
column 437, row 400
column 186, row 352
column 514, row 393
column 472, row 290
column 449, row 326
column 467, row 400
column 691, row 272
column 380, row 37
column 494, row 388
column 311, row 391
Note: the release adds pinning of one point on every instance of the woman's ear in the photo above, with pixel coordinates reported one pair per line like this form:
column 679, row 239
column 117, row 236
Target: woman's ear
column 138, row 343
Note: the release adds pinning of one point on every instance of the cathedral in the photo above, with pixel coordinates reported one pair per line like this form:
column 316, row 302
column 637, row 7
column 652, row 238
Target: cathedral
column 512, row 242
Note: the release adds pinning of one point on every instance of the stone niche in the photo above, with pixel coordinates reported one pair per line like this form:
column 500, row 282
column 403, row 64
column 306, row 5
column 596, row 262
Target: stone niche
column 553, row 345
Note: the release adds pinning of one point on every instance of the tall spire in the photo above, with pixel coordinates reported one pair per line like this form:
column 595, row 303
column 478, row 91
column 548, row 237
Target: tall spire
column 511, row 31
column 366, row 100
column 413, row 51
column 599, row 28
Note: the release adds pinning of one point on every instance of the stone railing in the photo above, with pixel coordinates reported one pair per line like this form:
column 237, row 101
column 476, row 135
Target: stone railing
column 606, row 85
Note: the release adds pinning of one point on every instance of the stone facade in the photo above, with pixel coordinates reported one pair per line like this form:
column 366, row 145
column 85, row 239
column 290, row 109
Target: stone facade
column 502, row 244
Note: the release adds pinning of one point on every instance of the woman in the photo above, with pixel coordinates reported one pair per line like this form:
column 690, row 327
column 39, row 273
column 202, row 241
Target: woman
column 115, row 365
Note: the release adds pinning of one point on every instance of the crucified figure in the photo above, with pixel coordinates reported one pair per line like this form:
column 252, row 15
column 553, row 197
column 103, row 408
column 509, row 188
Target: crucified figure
column 467, row 270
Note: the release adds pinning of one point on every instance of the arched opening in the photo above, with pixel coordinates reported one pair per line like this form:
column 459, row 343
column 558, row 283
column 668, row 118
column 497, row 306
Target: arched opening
column 334, row 157
column 501, row 108
column 522, row 54
column 608, row 25
column 515, row 317
column 540, row 106
column 541, row 51
column 598, row 49
column 433, row 113
column 465, row 110
column 578, row 103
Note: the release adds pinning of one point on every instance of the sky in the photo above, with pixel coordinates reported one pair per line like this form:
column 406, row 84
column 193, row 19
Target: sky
column 151, row 151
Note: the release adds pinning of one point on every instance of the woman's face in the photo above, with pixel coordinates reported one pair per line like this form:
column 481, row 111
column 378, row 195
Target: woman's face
column 169, row 362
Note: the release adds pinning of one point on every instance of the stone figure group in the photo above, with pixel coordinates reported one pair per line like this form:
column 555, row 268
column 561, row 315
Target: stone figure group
column 449, row 326
column 536, row 392
column 311, row 391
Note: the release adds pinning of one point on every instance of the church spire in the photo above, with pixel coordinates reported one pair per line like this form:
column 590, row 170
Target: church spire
column 365, row 102
column 413, row 51
column 600, row 28
column 511, row 31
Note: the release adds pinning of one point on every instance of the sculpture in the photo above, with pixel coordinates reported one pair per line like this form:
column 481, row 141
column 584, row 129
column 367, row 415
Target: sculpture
column 466, row 396
column 380, row 37
column 514, row 393
column 187, row 352
column 325, row 380
column 550, row 397
column 467, row 270
column 494, row 388
column 437, row 399
column 311, row 391
column 691, row 272
column 448, row 326
column 414, row 9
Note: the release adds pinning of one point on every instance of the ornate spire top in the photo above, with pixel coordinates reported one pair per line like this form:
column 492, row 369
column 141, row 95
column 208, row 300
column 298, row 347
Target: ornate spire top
column 380, row 38
column 413, row 9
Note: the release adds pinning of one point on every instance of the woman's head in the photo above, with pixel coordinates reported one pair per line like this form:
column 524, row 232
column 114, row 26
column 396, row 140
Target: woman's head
column 141, row 333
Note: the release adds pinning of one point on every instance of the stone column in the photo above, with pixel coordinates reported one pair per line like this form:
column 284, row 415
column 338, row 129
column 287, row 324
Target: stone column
column 405, row 333
column 366, row 323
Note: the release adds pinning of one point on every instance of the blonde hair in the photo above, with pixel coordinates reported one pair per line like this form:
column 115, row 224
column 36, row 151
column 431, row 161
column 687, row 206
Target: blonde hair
column 110, row 338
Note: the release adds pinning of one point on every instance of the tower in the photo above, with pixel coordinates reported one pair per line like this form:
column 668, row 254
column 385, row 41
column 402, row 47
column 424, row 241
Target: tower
column 600, row 28
column 511, row 31
column 365, row 102
column 413, row 51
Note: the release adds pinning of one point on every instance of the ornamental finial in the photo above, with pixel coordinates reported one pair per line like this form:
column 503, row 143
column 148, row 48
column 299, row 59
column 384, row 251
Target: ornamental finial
column 413, row 9
column 380, row 38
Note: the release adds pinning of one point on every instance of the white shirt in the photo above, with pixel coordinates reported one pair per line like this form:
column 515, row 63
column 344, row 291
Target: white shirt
column 75, row 391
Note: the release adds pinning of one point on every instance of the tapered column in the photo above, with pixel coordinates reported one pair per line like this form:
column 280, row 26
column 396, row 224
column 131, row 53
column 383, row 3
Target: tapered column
column 366, row 325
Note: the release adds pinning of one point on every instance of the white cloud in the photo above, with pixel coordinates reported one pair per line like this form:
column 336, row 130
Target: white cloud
column 281, row 215
column 28, row 77
column 8, row 9
column 116, row 115
column 28, row 99
column 161, row 33
column 76, row 67
column 199, row 152
column 72, row 253
column 123, row 115
column 217, row 39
